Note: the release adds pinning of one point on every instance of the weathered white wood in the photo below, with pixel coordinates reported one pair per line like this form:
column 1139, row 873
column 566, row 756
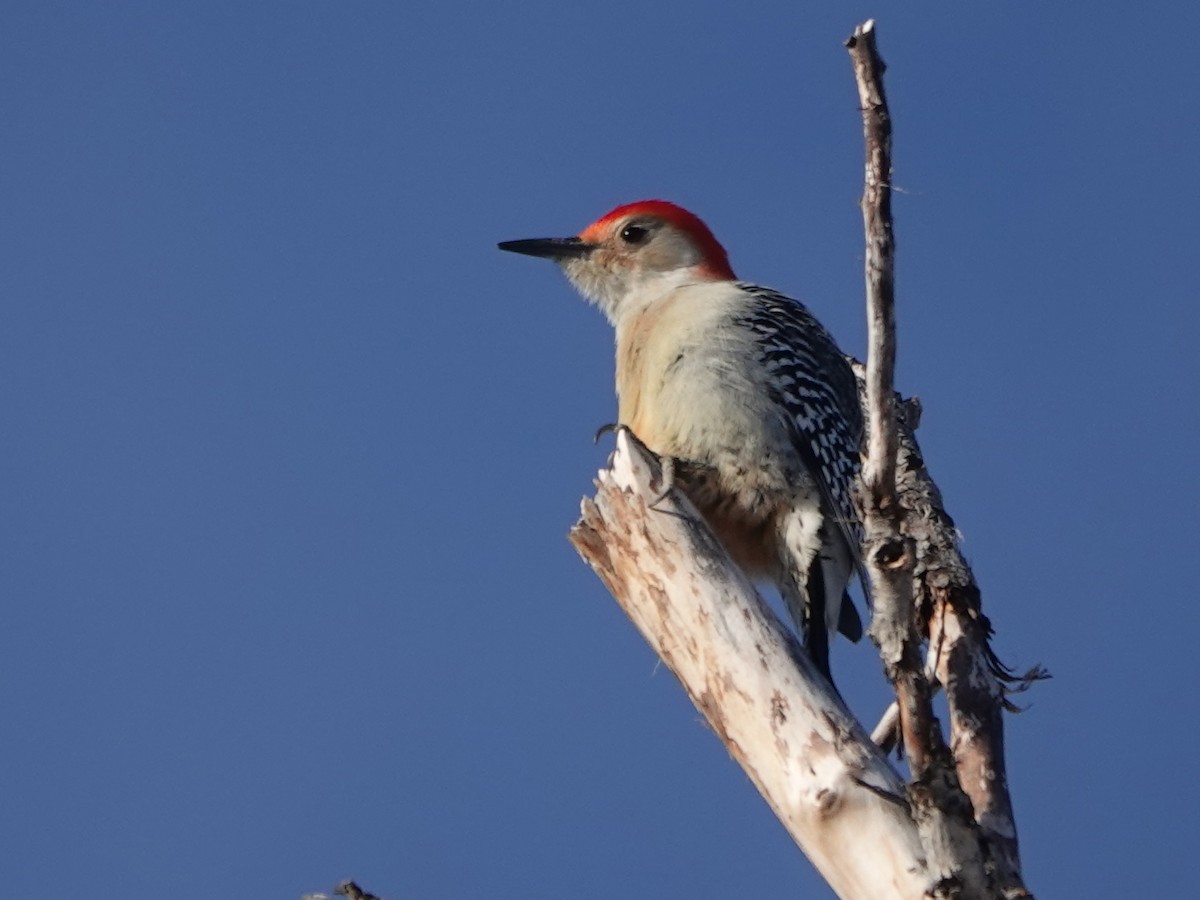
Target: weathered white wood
column 811, row 760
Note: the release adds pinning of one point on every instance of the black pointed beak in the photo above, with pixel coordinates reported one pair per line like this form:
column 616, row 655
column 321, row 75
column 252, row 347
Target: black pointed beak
column 550, row 248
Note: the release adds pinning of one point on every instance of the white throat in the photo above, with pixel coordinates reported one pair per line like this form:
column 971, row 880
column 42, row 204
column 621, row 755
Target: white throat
column 620, row 294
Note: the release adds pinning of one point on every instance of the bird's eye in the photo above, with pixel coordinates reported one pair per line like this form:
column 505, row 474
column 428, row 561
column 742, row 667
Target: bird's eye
column 634, row 234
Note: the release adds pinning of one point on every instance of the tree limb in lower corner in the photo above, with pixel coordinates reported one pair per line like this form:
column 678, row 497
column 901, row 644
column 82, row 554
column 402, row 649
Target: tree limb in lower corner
column 829, row 785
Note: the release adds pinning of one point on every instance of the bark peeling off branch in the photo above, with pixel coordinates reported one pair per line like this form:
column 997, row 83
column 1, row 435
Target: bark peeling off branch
column 948, row 833
column 976, row 703
column 947, row 607
column 949, row 613
column 828, row 784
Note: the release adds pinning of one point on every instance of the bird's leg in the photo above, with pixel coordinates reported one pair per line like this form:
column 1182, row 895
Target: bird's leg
column 667, row 481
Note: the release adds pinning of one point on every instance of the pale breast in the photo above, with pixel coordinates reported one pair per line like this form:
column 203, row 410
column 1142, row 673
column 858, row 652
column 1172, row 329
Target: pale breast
column 689, row 381
column 687, row 387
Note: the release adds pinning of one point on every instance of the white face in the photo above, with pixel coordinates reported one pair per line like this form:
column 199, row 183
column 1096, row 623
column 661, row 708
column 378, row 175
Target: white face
column 635, row 259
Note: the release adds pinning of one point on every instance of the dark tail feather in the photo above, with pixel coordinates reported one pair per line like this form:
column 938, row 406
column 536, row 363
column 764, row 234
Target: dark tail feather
column 849, row 623
column 816, row 637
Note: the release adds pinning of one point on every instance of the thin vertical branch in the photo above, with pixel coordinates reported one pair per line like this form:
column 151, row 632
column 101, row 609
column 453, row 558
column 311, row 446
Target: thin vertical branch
column 889, row 558
column 879, row 471
column 941, row 810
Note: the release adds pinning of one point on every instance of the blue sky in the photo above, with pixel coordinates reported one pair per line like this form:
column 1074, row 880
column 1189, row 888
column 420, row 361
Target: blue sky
column 290, row 450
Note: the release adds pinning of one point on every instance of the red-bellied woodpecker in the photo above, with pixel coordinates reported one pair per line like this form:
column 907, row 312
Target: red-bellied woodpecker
column 742, row 391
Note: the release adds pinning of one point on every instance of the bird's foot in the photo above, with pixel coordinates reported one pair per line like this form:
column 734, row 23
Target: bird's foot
column 667, row 481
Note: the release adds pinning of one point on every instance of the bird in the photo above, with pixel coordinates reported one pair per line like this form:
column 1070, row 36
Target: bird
column 742, row 393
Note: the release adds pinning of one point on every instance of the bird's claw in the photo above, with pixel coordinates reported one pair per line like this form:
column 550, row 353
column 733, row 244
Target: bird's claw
column 667, row 463
column 610, row 428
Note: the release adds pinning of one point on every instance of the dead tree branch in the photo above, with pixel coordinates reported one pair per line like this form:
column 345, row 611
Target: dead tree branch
column 348, row 889
column 942, row 811
column 826, row 781
column 949, row 613
column 920, row 582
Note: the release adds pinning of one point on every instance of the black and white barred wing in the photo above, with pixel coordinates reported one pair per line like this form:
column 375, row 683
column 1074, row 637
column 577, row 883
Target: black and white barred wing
column 810, row 378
